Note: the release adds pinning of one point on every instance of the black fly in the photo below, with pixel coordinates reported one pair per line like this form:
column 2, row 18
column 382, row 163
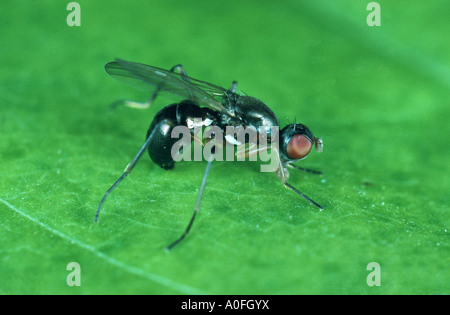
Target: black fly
column 215, row 106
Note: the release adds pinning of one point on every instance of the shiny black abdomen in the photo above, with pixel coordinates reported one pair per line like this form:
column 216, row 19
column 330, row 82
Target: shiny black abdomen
column 160, row 130
column 161, row 141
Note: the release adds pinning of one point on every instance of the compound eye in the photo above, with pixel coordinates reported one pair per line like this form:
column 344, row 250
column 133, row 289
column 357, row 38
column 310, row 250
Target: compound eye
column 298, row 147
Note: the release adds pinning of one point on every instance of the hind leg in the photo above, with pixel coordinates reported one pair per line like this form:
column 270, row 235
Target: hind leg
column 127, row 171
column 158, row 142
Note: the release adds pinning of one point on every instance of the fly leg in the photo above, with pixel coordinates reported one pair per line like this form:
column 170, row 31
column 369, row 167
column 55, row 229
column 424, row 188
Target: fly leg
column 197, row 204
column 127, row 171
column 283, row 175
column 281, row 171
column 144, row 105
column 307, row 170
column 303, row 195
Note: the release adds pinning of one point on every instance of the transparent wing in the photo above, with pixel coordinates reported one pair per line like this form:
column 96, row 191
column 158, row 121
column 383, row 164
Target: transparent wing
column 149, row 78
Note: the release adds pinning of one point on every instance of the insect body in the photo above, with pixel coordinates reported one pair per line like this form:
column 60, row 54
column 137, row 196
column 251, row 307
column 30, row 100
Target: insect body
column 206, row 105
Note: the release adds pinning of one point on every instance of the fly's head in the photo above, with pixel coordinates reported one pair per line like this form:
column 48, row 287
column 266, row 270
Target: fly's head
column 296, row 142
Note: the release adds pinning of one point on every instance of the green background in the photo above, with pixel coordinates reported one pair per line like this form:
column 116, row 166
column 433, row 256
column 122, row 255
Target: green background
column 379, row 97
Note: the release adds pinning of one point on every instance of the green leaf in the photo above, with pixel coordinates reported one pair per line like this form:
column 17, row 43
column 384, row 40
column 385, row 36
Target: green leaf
column 377, row 95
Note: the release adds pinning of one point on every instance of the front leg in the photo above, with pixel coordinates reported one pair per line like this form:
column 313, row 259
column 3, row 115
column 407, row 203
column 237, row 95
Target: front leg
column 281, row 171
column 307, row 170
column 283, row 175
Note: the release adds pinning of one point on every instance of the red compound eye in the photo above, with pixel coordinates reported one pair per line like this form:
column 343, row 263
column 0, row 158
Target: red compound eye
column 298, row 147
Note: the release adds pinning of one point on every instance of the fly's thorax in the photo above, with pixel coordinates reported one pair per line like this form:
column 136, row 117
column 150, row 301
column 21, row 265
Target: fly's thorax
column 255, row 113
